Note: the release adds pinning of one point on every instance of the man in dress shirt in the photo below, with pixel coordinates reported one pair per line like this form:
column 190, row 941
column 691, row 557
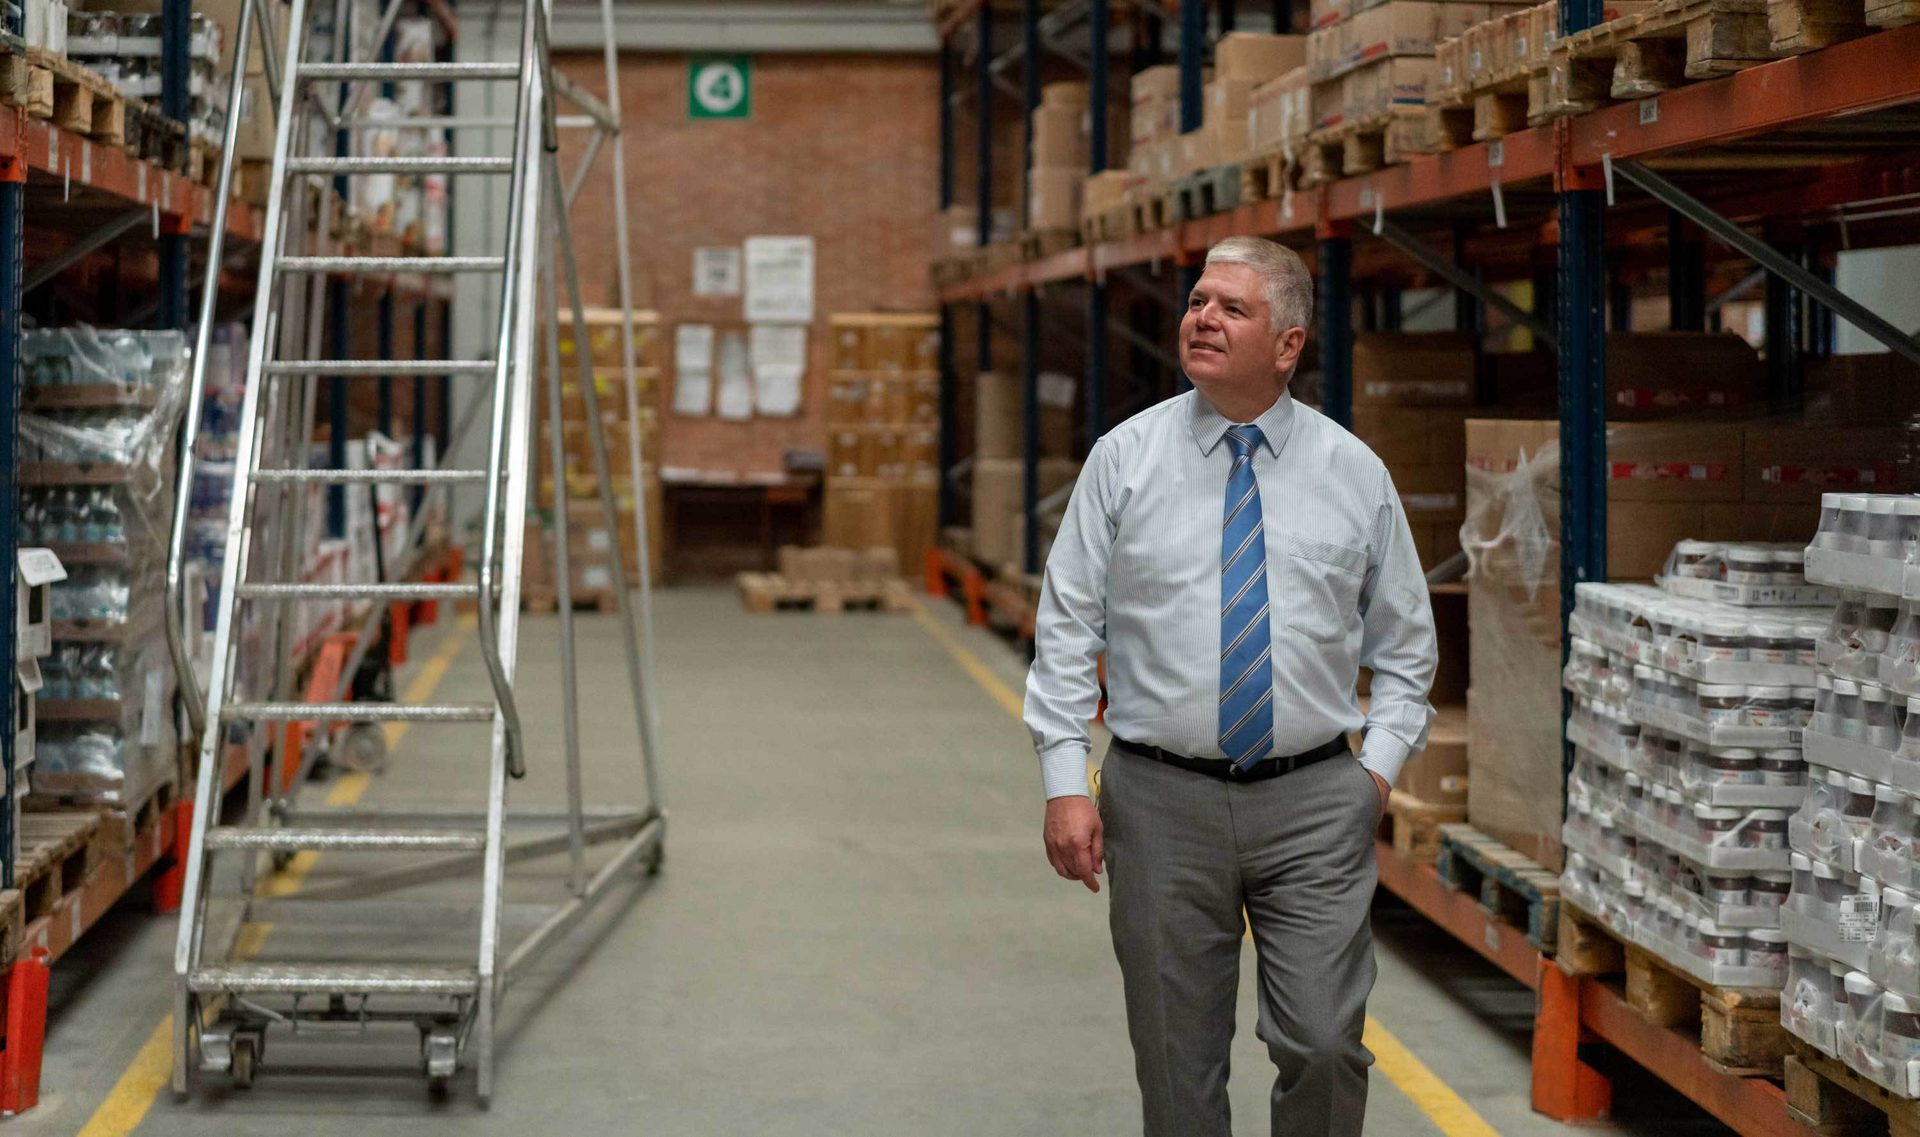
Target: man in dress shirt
column 1239, row 557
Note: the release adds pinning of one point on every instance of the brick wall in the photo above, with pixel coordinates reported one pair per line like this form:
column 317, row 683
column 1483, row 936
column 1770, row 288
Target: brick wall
column 844, row 149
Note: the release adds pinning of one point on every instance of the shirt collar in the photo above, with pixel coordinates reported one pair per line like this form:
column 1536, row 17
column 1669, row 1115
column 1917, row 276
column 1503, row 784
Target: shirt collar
column 1209, row 426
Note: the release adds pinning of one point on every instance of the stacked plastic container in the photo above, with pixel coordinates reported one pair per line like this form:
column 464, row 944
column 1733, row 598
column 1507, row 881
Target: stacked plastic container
column 100, row 409
column 1853, row 988
column 1689, row 700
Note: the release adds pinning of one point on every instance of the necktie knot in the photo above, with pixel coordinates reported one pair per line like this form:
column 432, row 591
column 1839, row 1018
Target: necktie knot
column 1243, row 439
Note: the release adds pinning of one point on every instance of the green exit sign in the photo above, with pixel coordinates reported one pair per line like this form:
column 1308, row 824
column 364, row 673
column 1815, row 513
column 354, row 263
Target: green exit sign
column 719, row 86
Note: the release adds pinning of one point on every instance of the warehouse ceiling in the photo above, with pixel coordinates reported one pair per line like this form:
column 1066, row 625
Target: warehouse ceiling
column 894, row 26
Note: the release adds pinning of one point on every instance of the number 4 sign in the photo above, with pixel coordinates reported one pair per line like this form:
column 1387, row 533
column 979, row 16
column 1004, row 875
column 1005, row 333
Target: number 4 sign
column 719, row 86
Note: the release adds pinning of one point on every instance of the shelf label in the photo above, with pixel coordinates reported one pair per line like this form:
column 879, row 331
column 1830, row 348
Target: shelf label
column 1496, row 154
column 1649, row 111
column 1493, row 935
column 140, row 180
column 86, row 163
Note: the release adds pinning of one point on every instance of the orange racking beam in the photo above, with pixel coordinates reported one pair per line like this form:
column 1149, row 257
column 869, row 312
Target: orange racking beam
column 1456, row 912
column 1860, row 75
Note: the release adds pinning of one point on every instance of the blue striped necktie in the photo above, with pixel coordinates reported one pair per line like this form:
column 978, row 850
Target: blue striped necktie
column 1246, row 636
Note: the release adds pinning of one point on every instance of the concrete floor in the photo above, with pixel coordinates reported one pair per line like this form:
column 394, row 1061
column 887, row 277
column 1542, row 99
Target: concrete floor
column 856, row 932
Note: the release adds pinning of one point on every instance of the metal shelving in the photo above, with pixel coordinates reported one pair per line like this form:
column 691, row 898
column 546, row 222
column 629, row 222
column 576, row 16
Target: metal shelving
column 1585, row 200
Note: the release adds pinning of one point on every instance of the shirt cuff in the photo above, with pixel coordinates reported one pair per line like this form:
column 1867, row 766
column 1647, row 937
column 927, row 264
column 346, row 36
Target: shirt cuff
column 1063, row 770
column 1384, row 754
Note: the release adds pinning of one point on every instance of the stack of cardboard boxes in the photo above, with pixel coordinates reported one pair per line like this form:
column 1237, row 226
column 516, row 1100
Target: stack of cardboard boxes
column 1373, row 63
column 1157, row 152
column 1711, row 479
column 883, row 432
column 1062, row 129
column 1242, row 63
column 999, row 474
column 591, row 533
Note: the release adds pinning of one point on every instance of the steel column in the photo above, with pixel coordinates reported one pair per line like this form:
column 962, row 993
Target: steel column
column 176, row 18
column 1821, row 329
column 1227, row 15
column 1785, row 390
column 1030, row 98
column 1030, row 413
column 983, row 136
column 1619, row 303
column 1193, row 50
column 1391, row 312
column 12, row 226
column 1099, row 67
column 1336, row 328
column 1686, row 278
column 1745, row 243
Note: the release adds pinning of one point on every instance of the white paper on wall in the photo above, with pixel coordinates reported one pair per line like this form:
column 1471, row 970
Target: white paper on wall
column 716, row 271
column 779, row 280
column 779, row 354
column 693, row 369
column 736, row 378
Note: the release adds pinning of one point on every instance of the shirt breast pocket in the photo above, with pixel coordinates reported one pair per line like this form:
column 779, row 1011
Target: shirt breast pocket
column 1323, row 587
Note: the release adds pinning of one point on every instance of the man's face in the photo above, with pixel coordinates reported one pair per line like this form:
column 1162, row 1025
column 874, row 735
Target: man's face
column 1227, row 343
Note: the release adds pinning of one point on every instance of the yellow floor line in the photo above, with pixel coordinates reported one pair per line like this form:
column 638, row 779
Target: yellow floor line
column 1446, row 1109
column 151, row 1071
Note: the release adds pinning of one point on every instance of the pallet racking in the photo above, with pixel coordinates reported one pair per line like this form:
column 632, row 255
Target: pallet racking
column 1577, row 203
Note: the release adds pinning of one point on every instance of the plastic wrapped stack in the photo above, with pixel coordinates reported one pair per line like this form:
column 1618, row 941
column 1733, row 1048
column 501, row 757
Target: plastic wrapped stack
column 124, row 48
column 96, row 441
column 1689, row 704
column 1853, row 990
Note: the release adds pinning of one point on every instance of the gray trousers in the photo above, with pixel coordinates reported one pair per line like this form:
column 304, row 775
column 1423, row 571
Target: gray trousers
column 1185, row 854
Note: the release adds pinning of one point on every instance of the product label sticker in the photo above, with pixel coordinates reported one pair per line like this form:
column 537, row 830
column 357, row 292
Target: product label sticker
column 1859, row 915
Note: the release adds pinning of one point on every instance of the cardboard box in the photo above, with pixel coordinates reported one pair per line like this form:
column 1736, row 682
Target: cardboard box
column 1415, row 368
column 1162, row 82
column 1409, row 436
column 1227, row 118
column 1789, row 463
column 998, row 497
column 849, row 453
column 1650, row 463
column 1053, row 196
column 1762, row 521
column 1198, row 151
column 1060, row 136
column 1103, row 191
column 1431, row 492
column 1435, row 541
column 849, row 348
column 1659, row 374
column 1403, row 27
column 1067, row 94
column 1877, row 387
column 1255, row 58
column 1388, row 87
column 866, row 514
column 997, row 423
column 1278, row 113
column 1438, row 775
column 1326, row 52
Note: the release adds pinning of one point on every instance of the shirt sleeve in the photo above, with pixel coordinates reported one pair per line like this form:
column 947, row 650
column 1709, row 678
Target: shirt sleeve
column 1397, row 643
column 1070, row 630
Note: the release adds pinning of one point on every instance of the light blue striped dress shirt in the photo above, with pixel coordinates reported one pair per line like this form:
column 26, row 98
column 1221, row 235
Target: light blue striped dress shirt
column 1135, row 572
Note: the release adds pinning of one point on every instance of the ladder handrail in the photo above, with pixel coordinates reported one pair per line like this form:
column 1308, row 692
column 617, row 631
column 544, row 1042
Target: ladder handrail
column 189, row 687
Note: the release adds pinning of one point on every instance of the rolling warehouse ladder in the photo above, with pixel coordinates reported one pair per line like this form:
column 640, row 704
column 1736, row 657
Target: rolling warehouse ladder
column 225, row 1000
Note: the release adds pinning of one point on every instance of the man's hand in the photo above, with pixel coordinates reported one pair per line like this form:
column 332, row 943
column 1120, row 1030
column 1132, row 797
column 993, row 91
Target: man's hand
column 1076, row 841
column 1385, row 790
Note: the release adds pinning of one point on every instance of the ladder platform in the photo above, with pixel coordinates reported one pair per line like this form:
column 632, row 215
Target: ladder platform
column 396, row 591
column 301, row 838
column 389, row 367
column 401, row 72
column 378, row 265
column 334, row 978
column 365, row 711
column 380, row 477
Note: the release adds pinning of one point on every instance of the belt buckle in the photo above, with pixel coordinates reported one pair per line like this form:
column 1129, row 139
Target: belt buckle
column 1233, row 770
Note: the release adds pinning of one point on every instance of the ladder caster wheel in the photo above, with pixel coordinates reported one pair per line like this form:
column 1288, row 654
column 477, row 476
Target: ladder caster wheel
column 246, row 1056
column 440, row 1087
column 363, row 749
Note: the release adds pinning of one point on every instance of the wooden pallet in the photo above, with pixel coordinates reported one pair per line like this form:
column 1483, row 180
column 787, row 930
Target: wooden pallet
column 1511, row 886
column 1037, row 243
column 153, row 137
column 1206, row 192
column 1738, row 1027
column 1413, row 826
column 1641, row 55
column 545, row 602
column 57, row 851
column 1268, row 176
column 55, row 89
column 120, row 825
column 1892, row 13
column 1827, row 1096
column 770, row 592
column 1151, row 210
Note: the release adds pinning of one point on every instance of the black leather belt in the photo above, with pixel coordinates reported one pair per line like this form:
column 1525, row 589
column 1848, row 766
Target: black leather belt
column 1225, row 771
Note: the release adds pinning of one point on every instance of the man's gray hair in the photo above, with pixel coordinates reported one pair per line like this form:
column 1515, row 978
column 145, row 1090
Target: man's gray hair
column 1289, row 285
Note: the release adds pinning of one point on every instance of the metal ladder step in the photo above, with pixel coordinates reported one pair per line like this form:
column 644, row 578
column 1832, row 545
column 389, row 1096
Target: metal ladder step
column 401, row 72
column 380, row 265
column 359, row 712
column 376, row 477
column 404, row 590
column 335, row 979
column 362, row 164
column 398, row 368
column 294, row 839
